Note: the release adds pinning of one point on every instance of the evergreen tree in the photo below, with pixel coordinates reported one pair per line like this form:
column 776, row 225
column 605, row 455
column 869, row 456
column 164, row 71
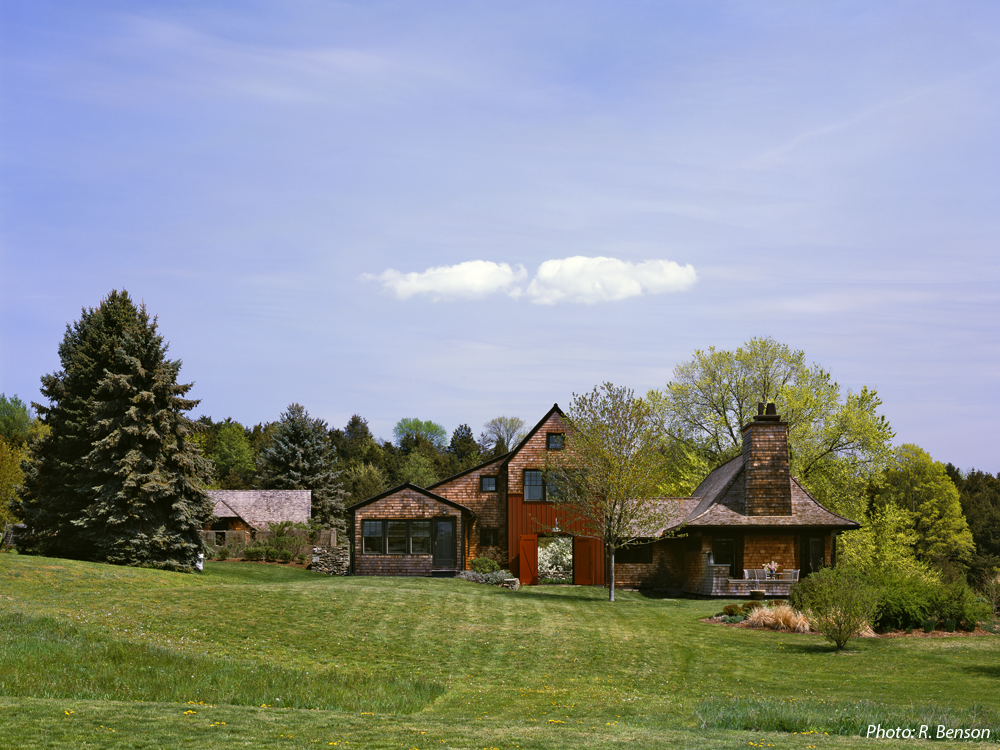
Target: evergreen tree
column 117, row 479
column 464, row 446
column 299, row 456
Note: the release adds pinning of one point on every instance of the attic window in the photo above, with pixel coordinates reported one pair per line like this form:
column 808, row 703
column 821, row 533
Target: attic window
column 487, row 484
column 556, row 441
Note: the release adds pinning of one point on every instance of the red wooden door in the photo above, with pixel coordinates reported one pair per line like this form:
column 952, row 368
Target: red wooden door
column 527, row 554
column 588, row 562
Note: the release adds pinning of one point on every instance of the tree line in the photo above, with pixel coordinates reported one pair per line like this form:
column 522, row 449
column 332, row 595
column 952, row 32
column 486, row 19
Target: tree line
column 111, row 468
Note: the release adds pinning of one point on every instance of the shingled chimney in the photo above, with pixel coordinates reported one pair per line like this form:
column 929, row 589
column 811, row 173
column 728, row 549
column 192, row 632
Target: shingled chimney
column 765, row 462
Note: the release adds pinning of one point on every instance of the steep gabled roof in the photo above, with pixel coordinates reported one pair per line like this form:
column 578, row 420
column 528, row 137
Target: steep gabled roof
column 258, row 508
column 554, row 410
column 506, row 457
column 414, row 488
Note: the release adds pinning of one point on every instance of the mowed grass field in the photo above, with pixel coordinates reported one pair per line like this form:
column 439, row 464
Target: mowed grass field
column 247, row 655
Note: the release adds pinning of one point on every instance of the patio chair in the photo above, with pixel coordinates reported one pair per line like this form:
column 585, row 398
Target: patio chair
column 791, row 574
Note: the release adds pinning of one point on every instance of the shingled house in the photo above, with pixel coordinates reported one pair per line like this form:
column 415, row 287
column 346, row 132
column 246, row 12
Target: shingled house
column 252, row 510
column 745, row 513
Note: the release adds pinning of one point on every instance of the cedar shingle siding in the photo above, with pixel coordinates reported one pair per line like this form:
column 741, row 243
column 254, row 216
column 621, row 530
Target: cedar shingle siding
column 751, row 506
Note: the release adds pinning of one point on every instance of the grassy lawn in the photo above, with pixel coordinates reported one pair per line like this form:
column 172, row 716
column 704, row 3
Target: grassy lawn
column 269, row 656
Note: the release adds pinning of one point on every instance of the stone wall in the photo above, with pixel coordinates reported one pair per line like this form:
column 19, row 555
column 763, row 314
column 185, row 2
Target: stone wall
column 334, row 561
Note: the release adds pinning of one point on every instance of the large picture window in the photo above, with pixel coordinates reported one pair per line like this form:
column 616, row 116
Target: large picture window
column 534, row 486
column 396, row 537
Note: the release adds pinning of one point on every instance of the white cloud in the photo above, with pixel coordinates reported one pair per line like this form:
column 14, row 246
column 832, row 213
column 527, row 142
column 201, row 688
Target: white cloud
column 472, row 279
column 589, row 280
column 576, row 279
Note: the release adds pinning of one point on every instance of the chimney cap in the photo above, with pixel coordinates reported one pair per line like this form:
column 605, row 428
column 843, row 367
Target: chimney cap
column 767, row 413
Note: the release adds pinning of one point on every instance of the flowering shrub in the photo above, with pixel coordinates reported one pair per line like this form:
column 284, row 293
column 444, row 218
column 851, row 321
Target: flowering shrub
column 555, row 555
column 494, row 579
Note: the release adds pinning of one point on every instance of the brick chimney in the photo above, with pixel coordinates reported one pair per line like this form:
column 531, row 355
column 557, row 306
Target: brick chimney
column 765, row 462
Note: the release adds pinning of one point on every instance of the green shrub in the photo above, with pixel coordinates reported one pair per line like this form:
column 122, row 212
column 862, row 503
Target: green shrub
column 301, row 558
column 733, row 619
column 949, row 625
column 929, row 624
column 252, row 553
column 270, row 554
column 483, row 565
column 904, row 601
column 956, row 601
column 751, row 606
column 284, row 556
column 731, row 610
column 222, row 553
column 839, row 603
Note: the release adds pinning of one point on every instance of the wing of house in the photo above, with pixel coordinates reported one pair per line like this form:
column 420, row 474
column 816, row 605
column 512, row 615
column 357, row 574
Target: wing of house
column 255, row 509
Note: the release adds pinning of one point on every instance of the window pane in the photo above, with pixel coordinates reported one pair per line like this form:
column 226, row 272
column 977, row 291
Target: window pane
column 396, row 538
column 420, row 537
column 371, row 536
column 557, row 441
column 488, row 484
column 533, row 485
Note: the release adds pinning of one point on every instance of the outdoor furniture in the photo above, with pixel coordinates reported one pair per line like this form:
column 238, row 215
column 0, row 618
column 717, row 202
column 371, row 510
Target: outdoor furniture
column 790, row 574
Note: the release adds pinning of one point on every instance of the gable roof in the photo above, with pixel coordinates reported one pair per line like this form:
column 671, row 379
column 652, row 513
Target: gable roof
column 531, row 433
column 258, row 508
column 415, row 488
column 467, row 471
column 506, row 457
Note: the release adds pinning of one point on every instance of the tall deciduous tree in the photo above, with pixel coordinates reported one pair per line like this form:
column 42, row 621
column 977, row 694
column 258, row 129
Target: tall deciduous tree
column 838, row 443
column 408, row 430
column 608, row 476
column 232, row 455
column 500, row 435
column 921, row 487
column 15, row 420
column 117, row 478
column 299, row 456
column 11, row 477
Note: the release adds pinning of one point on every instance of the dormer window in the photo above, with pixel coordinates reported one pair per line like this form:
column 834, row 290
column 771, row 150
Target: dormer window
column 487, row 484
column 556, row 441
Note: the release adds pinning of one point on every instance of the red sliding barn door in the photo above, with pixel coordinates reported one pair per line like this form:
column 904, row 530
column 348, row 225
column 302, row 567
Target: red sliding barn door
column 527, row 555
column 588, row 561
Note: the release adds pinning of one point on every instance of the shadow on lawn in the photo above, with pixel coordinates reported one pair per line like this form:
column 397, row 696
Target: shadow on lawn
column 987, row 670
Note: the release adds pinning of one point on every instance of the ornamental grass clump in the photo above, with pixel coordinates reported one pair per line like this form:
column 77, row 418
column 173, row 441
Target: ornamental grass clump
column 781, row 617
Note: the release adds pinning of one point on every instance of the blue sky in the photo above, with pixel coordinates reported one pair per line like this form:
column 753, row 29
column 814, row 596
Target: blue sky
column 398, row 209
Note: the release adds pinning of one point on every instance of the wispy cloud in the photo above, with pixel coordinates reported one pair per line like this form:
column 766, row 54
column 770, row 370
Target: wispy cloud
column 472, row 279
column 575, row 279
